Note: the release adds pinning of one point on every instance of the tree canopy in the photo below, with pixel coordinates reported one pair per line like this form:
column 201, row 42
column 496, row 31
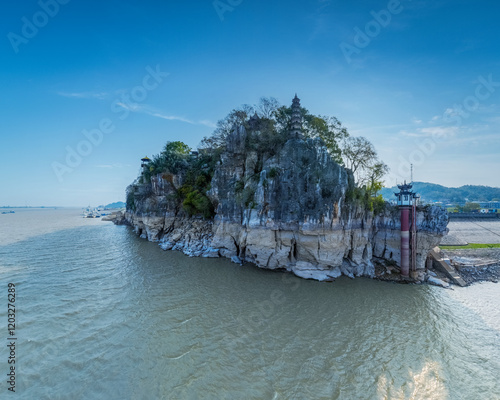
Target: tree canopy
column 360, row 156
column 268, row 133
column 173, row 158
column 356, row 153
column 329, row 129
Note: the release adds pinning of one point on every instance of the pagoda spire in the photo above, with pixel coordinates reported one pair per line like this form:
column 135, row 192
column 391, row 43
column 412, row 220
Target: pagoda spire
column 296, row 123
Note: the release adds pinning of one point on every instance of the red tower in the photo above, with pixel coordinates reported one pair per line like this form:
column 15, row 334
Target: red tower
column 405, row 200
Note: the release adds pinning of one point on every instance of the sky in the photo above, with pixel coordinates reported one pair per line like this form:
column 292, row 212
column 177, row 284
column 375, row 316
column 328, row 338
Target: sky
column 91, row 87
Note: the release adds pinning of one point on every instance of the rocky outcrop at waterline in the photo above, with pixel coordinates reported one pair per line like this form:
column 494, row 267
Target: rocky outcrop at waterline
column 117, row 217
column 294, row 209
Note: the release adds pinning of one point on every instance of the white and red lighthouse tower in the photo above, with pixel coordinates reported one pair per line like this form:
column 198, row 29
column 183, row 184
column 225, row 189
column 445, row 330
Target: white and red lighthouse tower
column 406, row 200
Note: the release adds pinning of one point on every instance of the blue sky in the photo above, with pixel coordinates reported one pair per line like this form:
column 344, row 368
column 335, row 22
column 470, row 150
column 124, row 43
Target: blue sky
column 420, row 79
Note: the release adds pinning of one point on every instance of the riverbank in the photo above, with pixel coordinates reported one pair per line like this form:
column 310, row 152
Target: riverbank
column 471, row 264
column 472, row 248
column 475, row 265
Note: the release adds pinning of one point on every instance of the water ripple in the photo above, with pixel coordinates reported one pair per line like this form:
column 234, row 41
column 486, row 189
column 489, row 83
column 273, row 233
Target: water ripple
column 104, row 314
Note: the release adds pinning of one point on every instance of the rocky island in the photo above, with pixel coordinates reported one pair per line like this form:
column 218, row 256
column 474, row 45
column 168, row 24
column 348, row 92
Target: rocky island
column 275, row 195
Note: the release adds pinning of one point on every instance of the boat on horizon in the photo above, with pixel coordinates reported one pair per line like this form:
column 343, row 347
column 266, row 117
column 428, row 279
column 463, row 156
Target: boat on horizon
column 91, row 213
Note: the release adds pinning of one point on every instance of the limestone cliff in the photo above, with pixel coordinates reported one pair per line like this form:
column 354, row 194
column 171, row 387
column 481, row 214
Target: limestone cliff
column 289, row 210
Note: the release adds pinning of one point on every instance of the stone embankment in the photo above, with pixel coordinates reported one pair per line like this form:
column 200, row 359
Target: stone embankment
column 475, row 265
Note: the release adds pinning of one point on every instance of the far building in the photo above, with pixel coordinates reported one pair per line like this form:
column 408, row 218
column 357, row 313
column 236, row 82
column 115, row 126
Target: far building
column 145, row 163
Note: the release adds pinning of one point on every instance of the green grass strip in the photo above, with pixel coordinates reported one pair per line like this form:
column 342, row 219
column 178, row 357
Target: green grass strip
column 472, row 246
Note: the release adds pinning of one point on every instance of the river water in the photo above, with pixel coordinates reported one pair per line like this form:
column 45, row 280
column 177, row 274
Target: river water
column 103, row 314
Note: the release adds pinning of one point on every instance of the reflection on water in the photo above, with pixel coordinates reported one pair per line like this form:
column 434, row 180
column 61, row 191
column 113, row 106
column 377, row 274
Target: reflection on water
column 424, row 384
column 104, row 314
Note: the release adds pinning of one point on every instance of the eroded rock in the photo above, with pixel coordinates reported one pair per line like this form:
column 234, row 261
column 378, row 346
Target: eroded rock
column 290, row 211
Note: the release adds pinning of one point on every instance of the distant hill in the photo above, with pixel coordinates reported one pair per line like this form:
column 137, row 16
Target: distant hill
column 430, row 192
column 118, row 204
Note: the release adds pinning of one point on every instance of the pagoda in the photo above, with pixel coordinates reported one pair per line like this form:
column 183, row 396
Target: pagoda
column 253, row 122
column 296, row 123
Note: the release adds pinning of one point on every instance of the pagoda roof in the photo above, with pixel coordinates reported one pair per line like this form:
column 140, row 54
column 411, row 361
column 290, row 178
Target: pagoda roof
column 405, row 189
column 405, row 186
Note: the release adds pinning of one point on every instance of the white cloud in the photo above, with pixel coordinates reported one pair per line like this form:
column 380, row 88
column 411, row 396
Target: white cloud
column 140, row 108
column 440, row 131
column 433, row 131
column 169, row 117
column 84, row 95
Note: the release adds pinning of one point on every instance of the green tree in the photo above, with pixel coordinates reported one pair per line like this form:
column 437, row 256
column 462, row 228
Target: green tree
column 471, row 207
column 177, row 147
column 173, row 159
column 267, row 107
column 374, row 177
column 360, row 156
column 275, row 124
column 329, row 129
column 196, row 202
column 225, row 126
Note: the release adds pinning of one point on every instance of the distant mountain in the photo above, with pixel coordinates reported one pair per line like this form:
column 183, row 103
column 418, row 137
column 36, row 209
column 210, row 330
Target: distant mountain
column 118, row 204
column 430, row 193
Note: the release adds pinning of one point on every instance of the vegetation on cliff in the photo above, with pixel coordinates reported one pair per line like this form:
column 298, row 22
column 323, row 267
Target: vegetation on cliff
column 273, row 121
column 268, row 127
column 196, row 172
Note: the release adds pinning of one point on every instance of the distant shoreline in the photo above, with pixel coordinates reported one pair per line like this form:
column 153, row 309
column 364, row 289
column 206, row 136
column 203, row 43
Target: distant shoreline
column 473, row 215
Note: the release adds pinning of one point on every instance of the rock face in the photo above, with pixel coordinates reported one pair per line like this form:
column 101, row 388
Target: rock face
column 291, row 211
column 281, row 207
column 118, row 218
